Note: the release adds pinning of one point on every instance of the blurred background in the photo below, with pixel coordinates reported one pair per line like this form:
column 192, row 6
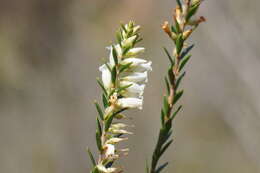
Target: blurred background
column 50, row 51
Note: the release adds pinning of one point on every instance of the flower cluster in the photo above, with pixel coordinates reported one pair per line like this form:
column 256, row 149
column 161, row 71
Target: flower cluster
column 131, row 74
column 123, row 82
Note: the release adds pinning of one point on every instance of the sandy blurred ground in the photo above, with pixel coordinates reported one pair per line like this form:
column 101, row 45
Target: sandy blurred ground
column 50, row 52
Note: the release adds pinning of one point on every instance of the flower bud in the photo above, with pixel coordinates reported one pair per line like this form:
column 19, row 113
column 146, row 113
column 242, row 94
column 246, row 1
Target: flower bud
column 128, row 42
column 187, row 33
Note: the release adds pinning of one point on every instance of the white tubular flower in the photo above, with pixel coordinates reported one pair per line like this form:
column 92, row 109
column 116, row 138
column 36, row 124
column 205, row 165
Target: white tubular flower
column 134, row 61
column 144, row 67
column 130, row 103
column 118, row 125
column 136, row 77
column 118, row 51
column 109, row 150
column 135, row 51
column 120, row 131
column 106, row 76
column 102, row 168
column 115, row 140
column 135, row 90
column 119, row 54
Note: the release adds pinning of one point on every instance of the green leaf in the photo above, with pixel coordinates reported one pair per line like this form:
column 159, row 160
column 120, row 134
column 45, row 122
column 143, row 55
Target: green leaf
column 173, row 29
column 91, row 157
column 167, row 85
column 177, row 27
column 119, row 36
column 158, row 170
column 123, row 88
column 109, row 120
column 165, row 105
column 114, row 74
column 166, row 146
column 114, row 54
column 98, row 140
column 176, row 112
column 179, row 80
column 192, row 11
column 101, row 86
column 171, row 75
column 168, row 124
column 126, row 49
column 179, row 43
column 105, row 101
column 99, row 126
column 162, row 118
column 111, row 92
column 100, row 112
column 123, row 27
column 179, row 3
column 124, row 67
column 184, row 61
column 95, row 170
column 169, row 56
column 186, row 51
column 109, row 68
column 177, row 96
column 138, row 40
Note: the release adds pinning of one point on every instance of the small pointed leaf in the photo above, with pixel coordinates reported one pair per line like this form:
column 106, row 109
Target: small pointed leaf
column 184, row 61
column 179, row 80
column 186, row 51
column 158, row 170
column 168, row 55
column 100, row 112
column 101, row 86
column 177, row 96
column 91, row 157
column 114, row 74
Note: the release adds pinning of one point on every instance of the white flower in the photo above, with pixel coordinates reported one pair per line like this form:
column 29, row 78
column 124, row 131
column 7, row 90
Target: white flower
column 135, row 51
column 136, row 77
column 109, row 150
column 115, row 140
column 102, row 168
column 134, row 61
column 106, row 76
column 135, row 90
column 118, row 125
column 120, row 131
column 130, row 102
column 119, row 54
column 143, row 67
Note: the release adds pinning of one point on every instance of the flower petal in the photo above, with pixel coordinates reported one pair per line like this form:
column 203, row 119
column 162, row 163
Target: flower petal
column 102, row 168
column 130, row 103
column 134, row 61
column 135, row 51
column 106, row 76
column 135, row 77
column 143, row 67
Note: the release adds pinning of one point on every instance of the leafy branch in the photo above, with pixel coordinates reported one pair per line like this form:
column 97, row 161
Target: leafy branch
column 178, row 33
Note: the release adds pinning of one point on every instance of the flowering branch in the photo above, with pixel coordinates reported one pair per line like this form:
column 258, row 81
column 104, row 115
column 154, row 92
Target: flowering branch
column 123, row 82
column 179, row 32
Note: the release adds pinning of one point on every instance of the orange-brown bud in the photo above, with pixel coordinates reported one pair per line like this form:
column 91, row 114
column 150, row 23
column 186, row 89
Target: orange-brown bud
column 166, row 28
column 187, row 33
column 202, row 19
